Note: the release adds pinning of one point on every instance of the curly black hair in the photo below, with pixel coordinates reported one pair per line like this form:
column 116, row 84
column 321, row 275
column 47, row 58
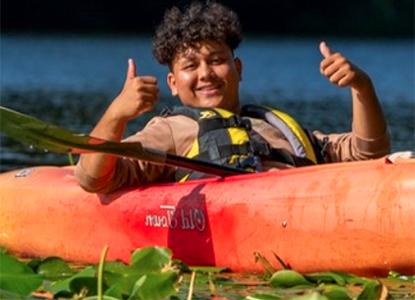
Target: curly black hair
column 199, row 22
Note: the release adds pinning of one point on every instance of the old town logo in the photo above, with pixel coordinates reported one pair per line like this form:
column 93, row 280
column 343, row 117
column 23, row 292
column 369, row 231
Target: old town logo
column 186, row 218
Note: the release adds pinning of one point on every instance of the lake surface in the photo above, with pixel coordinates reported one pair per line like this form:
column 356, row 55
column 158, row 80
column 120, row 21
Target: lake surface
column 70, row 80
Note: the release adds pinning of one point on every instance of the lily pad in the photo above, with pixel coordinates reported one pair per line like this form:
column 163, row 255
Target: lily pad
column 16, row 277
column 156, row 286
column 63, row 286
column 335, row 292
column 287, row 279
column 54, row 268
column 150, row 259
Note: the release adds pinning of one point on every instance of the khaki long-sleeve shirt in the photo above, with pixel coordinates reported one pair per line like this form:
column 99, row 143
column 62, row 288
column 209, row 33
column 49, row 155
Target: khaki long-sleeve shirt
column 176, row 134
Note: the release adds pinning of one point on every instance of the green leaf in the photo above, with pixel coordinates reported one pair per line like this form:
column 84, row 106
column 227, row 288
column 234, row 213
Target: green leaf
column 312, row 296
column 287, row 279
column 63, row 286
column 17, row 277
column 123, row 285
column 54, row 268
column 353, row 279
column 327, row 277
column 114, row 271
column 371, row 291
column 156, row 286
column 335, row 292
column 78, row 284
column 151, row 259
column 399, row 276
column 136, row 288
column 10, row 295
column 116, row 267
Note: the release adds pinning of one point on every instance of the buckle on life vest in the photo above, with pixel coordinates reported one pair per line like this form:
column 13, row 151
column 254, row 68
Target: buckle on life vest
column 237, row 121
column 258, row 148
column 250, row 163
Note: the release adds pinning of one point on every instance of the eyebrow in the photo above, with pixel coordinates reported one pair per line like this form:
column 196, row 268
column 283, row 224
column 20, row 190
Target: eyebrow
column 193, row 55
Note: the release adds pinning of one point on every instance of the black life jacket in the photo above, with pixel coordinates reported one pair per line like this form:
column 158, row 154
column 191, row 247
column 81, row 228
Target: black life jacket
column 228, row 139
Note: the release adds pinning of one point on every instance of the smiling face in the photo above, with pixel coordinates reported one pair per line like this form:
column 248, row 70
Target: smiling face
column 207, row 76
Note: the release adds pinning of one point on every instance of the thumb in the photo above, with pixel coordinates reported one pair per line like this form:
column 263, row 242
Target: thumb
column 132, row 69
column 325, row 50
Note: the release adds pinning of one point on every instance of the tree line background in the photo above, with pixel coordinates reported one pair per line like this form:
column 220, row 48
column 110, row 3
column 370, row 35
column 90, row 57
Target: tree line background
column 357, row 18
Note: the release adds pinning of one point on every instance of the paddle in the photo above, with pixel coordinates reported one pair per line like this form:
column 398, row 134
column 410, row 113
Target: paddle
column 48, row 137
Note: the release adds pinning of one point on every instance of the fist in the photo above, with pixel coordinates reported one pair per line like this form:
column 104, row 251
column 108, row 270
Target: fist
column 139, row 95
column 339, row 70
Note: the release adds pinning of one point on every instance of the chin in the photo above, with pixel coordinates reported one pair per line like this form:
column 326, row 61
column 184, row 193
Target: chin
column 211, row 103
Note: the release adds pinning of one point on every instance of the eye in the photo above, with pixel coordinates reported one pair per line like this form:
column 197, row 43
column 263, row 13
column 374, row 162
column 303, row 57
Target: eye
column 217, row 60
column 189, row 66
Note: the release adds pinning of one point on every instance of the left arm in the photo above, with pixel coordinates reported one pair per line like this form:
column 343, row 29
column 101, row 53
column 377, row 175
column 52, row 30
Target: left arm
column 369, row 124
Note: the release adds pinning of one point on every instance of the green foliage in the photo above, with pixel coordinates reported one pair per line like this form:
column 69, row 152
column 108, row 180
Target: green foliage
column 327, row 277
column 205, row 269
column 151, row 259
column 54, row 268
column 335, row 292
column 312, row 296
column 288, row 279
column 152, row 274
column 155, row 286
column 63, row 287
column 371, row 291
column 149, row 276
column 16, row 277
column 398, row 276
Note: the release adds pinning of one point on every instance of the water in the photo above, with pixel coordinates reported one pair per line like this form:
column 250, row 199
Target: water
column 69, row 80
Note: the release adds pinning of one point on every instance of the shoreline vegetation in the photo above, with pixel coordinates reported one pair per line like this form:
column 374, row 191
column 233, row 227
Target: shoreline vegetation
column 381, row 18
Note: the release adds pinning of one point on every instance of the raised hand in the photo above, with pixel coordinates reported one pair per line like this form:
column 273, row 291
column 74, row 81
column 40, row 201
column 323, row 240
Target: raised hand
column 139, row 95
column 340, row 71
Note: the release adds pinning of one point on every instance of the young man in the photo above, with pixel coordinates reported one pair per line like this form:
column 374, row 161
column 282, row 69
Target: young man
column 198, row 47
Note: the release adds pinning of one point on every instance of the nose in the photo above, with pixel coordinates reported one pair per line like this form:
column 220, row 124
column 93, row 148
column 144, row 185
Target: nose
column 205, row 71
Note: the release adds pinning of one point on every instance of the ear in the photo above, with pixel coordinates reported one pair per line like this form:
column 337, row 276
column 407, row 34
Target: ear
column 238, row 65
column 171, row 81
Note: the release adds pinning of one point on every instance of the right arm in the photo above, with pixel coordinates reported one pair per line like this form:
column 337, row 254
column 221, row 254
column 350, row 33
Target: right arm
column 139, row 95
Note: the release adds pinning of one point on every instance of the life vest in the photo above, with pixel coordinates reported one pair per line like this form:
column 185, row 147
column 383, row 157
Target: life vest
column 228, row 139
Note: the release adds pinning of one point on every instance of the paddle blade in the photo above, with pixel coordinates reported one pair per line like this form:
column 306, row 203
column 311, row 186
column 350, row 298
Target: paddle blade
column 38, row 134
column 48, row 137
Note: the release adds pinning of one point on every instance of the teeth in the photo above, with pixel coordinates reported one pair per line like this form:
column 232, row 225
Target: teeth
column 208, row 88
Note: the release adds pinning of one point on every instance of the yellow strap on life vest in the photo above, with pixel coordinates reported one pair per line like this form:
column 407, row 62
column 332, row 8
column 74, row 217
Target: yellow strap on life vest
column 298, row 132
column 238, row 136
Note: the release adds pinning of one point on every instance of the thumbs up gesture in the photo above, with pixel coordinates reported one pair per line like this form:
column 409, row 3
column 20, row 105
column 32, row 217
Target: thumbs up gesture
column 340, row 71
column 139, row 95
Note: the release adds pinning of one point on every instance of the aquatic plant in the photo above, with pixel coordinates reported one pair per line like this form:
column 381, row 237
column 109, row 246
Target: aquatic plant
column 153, row 274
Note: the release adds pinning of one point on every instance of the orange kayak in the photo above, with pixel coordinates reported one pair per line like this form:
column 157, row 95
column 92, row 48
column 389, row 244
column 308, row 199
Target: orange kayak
column 356, row 217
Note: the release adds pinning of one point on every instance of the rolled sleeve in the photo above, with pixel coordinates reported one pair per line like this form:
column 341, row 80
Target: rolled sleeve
column 340, row 147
